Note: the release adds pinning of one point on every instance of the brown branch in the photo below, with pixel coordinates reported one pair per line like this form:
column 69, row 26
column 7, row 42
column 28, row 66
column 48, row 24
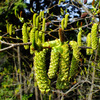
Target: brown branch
column 13, row 45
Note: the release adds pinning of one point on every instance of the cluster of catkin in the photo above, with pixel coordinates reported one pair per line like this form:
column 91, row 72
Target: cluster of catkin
column 36, row 33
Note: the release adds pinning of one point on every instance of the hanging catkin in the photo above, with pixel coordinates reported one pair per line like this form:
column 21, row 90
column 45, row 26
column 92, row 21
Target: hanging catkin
column 94, row 36
column 75, row 58
column 37, row 21
column 34, row 20
column 43, row 29
column 62, row 80
column 32, row 40
column 40, row 71
column 66, row 20
column 54, row 62
column 79, row 38
column 88, row 41
column 62, row 23
column 10, row 29
column 25, row 35
column 39, row 40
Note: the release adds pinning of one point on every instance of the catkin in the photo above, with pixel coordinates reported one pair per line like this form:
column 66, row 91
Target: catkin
column 37, row 21
column 59, row 2
column 88, row 41
column 76, row 50
column 94, row 36
column 39, row 43
column 62, row 80
column 36, row 36
column 34, row 20
column 43, row 29
column 40, row 71
column 43, row 25
column 75, row 58
column 79, row 38
column 25, row 35
column 32, row 40
column 74, row 67
column 66, row 20
column 10, row 29
column 54, row 62
column 62, row 23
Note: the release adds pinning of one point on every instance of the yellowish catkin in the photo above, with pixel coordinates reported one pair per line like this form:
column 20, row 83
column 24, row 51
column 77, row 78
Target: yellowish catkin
column 62, row 23
column 42, row 79
column 10, row 29
column 94, row 36
column 54, row 62
column 62, row 79
column 88, row 41
column 75, row 58
column 32, row 40
column 25, row 35
column 79, row 38
column 34, row 20
column 66, row 20
column 43, row 29
column 37, row 21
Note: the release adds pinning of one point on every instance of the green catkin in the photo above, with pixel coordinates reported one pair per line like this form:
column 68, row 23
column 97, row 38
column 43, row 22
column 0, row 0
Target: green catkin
column 40, row 71
column 37, row 21
column 74, row 67
column 79, row 38
column 62, row 23
column 10, row 29
column 36, row 36
column 76, row 50
column 62, row 80
column 75, row 58
column 32, row 40
column 94, row 38
column 59, row 2
column 39, row 40
column 43, row 29
column 25, row 35
column 66, row 20
column 34, row 20
column 43, row 25
column 54, row 62
column 88, row 41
